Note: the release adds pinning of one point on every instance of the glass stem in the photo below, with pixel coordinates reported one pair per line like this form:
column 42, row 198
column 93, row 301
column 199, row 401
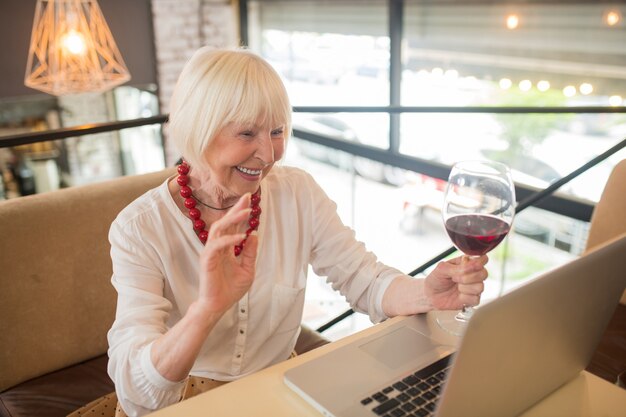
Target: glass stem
column 465, row 314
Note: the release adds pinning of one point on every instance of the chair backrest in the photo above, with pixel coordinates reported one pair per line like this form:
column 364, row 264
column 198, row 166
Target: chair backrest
column 609, row 216
column 56, row 298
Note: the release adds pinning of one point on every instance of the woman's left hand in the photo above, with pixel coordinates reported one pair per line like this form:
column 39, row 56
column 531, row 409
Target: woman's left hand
column 456, row 283
column 225, row 278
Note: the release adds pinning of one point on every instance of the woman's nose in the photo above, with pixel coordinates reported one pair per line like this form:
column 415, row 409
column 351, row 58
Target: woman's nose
column 265, row 150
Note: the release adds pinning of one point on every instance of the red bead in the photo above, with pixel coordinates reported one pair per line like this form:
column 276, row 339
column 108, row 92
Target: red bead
column 182, row 180
column 183, row 169
column 199, row 224
column 190, row 203
column 254, row 223
column 194, row 213
column 185, row 191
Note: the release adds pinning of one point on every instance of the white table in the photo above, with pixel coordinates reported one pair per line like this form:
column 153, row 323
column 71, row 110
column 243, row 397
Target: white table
column 265, row 394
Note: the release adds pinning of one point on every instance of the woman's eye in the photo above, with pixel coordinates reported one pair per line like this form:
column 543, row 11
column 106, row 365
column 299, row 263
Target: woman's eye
column 277, row 132
column 247, row 133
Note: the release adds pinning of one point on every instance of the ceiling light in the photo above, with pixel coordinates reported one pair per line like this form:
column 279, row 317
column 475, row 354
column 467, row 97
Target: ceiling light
column 525, row 85
column 505, row 83
column 612, row 17
column 615, row 101
column 543, row 85
column 72, row 49
column 512, row 21
column 569, row 91
column 585, row 88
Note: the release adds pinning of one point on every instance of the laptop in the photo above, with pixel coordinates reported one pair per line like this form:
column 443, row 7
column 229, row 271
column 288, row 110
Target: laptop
column 515, row 351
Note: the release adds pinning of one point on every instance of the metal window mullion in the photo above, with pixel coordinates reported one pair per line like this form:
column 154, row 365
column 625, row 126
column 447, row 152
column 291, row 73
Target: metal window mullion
column 243, row 23
column 395, row 70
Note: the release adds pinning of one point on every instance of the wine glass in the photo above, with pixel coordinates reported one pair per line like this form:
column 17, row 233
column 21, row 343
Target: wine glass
column 478, row 211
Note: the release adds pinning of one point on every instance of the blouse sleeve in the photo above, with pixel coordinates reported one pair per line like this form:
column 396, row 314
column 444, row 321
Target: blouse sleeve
column 141, row 316
column 350, row 268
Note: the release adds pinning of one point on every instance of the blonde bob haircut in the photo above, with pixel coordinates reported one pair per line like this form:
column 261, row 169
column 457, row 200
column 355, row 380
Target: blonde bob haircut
column 218, row 87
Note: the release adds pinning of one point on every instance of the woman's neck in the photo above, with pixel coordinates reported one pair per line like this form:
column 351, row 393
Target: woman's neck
column 210, row 195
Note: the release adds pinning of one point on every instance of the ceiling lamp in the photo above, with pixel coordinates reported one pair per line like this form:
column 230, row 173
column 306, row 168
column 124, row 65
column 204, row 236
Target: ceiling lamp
column 512, row 21
column 543, row 85
column 585, row 89
column 72, row 49
column 612, row 17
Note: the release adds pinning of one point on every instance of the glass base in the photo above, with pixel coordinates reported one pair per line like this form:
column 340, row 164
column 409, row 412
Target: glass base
column 454, row 322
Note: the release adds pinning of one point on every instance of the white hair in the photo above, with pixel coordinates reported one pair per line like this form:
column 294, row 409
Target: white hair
column 221, row 86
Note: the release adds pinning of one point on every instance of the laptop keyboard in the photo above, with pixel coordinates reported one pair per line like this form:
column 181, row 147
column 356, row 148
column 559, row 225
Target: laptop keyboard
column 415, row 395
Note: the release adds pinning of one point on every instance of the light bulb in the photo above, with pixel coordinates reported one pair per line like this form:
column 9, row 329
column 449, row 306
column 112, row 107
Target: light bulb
column 512, row 21
column 569, row 91
column 525, row 85
column 615, row 101
column 585, row 88
column 74, row 42
column 505, row 83
column 543, row 85
column 612, row 18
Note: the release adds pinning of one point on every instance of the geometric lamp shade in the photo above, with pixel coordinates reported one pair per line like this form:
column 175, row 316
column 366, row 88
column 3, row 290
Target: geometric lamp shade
column 72, row 49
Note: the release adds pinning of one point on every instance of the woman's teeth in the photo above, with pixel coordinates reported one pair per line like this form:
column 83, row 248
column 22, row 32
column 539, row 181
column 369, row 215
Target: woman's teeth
column 249, row 171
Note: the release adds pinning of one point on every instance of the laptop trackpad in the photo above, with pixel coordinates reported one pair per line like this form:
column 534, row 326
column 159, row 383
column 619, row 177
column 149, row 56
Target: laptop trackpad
column 399, row 347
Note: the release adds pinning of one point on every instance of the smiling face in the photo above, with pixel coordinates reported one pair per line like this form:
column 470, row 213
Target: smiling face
column 230, row 117
column 238, row 158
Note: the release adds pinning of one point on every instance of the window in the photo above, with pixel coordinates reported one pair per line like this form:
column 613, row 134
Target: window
column 453, row 56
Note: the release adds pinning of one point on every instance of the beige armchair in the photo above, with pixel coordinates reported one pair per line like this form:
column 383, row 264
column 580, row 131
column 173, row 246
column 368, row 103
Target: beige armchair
column 609, row 217
column 607, row 222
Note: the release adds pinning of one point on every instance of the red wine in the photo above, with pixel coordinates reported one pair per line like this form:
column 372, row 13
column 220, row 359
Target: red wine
column 476, row 234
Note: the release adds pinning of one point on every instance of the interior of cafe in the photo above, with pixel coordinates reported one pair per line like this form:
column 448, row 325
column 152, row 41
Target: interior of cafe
column 388, row 99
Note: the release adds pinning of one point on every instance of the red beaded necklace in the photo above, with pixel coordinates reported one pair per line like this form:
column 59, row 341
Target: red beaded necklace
column 199, row 225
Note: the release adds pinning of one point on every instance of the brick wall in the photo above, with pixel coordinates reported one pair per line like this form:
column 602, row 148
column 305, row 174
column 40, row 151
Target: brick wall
column 101, row 151
column 181, row 27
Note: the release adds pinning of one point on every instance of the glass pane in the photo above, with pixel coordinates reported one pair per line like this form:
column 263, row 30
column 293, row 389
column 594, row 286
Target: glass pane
column 370, row 129
column 328, row 53
column 540, row 55
column 539, row 148
column 454, row 54
column 566, row 53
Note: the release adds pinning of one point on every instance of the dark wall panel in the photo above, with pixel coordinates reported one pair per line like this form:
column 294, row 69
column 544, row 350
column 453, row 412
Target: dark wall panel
column 129, row 21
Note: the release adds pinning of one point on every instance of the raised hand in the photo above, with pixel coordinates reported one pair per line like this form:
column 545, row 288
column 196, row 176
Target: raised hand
column 224, row 277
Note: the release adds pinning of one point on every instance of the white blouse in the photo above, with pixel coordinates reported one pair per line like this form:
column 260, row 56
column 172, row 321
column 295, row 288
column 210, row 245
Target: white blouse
column 155, row 256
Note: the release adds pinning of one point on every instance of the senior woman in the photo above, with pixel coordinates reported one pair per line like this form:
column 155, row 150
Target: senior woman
column 211, row 266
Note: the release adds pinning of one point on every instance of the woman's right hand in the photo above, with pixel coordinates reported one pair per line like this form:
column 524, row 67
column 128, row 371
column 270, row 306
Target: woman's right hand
column 225, row 278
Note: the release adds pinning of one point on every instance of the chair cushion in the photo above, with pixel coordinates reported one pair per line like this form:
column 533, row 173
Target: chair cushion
column 58, row 393
column 57, row 302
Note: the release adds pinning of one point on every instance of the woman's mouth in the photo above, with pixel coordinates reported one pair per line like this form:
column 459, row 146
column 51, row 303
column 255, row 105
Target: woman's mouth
column 249, row 173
